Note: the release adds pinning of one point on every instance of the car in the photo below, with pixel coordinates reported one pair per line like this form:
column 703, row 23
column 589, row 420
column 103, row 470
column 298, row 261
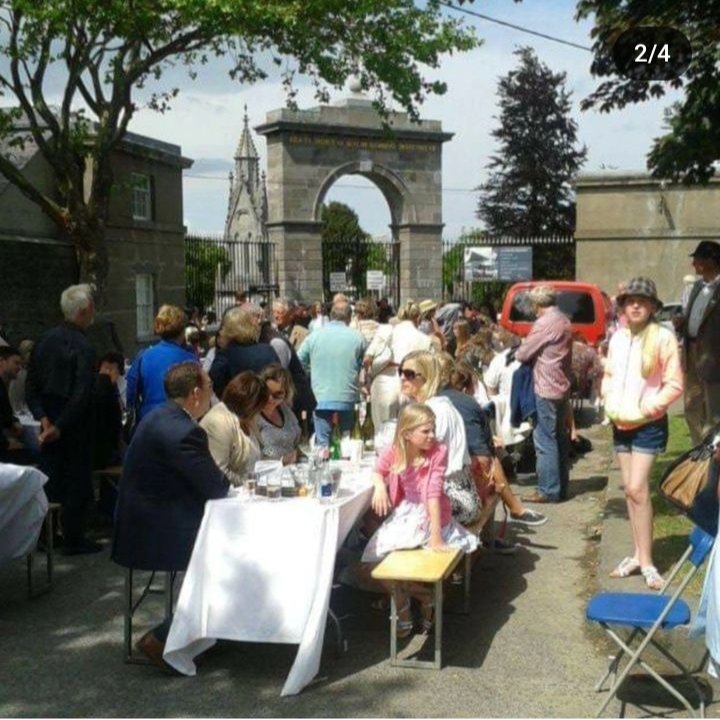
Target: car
column 587, row 306
column 666, row 313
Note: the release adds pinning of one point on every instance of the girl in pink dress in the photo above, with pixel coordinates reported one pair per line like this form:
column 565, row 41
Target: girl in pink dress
column 408, row 479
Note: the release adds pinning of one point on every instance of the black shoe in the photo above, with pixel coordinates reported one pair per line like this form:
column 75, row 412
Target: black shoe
column 82, row 547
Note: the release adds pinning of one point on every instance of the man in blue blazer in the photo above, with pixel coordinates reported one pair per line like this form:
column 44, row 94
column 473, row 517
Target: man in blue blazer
column 168, row 475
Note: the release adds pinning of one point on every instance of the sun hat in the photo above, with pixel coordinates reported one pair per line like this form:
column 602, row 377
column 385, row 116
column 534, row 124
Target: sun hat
column 427, row 305
column 708, row 250
column 640, row 286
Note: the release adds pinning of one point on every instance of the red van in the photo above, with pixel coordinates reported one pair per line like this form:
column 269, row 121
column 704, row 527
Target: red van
column 587, row 306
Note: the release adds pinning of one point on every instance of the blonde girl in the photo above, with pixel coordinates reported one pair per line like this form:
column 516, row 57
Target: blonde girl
column 408, row 491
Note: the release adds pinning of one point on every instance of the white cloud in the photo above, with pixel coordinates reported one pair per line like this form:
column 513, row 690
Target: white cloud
column 206, row 119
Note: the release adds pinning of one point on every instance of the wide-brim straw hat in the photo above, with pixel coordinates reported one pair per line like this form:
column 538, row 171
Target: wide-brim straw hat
column 427, row 305
column 642, row 287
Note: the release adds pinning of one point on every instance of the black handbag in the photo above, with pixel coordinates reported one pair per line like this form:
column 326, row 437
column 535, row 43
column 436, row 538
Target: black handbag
column 132, row 417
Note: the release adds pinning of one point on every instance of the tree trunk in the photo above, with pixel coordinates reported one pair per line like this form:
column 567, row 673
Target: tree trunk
column 92, row 258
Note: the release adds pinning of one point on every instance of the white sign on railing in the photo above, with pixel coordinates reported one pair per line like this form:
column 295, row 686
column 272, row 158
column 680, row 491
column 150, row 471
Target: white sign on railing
column 338, row 281
column 375, row 279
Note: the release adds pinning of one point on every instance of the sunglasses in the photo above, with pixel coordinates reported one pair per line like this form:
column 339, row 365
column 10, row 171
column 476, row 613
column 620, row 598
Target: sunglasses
column 408, row 374
column 278, row 395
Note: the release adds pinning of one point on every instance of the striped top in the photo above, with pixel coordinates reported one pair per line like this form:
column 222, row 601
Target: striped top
column 549, row 345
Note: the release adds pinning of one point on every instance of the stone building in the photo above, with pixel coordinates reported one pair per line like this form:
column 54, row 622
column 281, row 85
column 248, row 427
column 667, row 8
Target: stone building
column 629, row 223
column 145, row 240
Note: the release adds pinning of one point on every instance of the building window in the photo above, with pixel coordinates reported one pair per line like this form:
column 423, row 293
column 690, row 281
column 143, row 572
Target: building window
column 142, row 197
column 144, row 303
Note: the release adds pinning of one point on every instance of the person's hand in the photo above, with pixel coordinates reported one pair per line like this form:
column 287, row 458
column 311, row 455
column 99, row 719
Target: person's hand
column 14, row 444
column 290, row 458
column 380, row 500
column 49, row 433
column 438, row 545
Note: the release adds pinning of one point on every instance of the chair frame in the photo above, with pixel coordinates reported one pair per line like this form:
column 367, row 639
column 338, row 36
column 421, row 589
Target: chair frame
column 49, row 526
column 131, row 607
column 648, row 638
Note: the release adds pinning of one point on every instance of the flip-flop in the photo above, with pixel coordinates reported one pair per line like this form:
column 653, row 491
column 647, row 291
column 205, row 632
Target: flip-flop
column 626, row 567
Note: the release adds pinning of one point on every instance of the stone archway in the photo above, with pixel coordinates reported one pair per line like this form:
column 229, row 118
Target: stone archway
column 308, row 150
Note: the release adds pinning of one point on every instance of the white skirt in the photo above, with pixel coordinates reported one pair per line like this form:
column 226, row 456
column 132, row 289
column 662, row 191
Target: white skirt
column 408, row 527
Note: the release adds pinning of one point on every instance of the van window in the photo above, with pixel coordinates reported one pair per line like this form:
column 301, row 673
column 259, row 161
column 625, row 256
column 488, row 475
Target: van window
column 578, row 306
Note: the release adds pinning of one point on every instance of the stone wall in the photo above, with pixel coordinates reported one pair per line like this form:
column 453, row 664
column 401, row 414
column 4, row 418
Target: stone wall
column 631, row 224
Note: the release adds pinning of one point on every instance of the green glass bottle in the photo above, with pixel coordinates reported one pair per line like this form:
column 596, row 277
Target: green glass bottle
column 335, row 438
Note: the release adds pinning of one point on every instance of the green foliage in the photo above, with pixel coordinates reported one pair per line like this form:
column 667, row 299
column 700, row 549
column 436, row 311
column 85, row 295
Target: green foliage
column 347, row 247
column 692, row 144
column 529, row 188
column 203, row 259
column 104, row 52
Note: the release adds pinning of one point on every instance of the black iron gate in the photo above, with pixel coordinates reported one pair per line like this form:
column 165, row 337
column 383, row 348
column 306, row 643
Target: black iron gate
column 362, row 267
column 216, row 269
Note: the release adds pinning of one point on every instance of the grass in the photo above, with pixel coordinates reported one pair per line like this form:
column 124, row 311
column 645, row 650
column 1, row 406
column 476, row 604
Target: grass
column 670, row 526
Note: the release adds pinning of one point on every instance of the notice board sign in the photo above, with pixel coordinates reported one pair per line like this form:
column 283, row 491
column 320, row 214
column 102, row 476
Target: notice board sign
column 507, row 264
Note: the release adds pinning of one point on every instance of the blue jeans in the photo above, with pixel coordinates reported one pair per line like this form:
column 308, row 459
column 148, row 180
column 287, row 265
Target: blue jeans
column 323, row 424
column 551, row 447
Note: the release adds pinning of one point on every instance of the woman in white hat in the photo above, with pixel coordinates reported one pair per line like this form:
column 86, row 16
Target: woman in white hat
column 642, row 379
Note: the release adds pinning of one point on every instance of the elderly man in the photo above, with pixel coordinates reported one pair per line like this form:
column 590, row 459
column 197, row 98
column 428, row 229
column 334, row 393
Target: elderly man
column 284, row 318
column 549, row 347
column 700, row 326
column 168, row 476
column 334, row 354
column 59, row 390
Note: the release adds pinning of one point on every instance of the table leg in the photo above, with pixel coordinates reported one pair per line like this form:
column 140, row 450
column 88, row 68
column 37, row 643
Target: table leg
column 393, row 624
column 438, row 624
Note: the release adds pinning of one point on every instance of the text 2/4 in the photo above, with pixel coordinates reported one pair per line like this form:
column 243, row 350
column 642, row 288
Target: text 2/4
column 649, row 53
column 661, row 52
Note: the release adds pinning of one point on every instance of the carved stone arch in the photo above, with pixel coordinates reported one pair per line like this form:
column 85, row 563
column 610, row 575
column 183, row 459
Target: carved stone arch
column 391, row 185
column 308, row 150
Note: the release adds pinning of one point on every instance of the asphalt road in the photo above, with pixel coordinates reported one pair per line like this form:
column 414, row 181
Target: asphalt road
column 525, row 650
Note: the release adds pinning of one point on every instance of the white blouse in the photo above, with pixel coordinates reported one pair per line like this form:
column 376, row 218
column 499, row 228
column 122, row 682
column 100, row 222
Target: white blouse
column 450, row 431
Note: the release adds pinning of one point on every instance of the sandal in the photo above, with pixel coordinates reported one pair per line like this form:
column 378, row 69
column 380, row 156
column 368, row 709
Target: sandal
column 404, row 627
column 626, row 567
column 427, row 610
column 653, row 579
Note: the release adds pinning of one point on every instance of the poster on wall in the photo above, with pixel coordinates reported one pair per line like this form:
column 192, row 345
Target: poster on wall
column 507, row 264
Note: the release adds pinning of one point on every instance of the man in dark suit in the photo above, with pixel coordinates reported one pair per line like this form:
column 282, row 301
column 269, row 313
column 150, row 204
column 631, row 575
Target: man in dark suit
column 167, row 477
column 700, row 327
column 59, row 390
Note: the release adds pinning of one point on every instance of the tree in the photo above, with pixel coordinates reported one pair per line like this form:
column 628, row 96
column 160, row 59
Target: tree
column 692, row 145
column 529, row 188
column 346, row 247
column 108, row 51
column 206, row 261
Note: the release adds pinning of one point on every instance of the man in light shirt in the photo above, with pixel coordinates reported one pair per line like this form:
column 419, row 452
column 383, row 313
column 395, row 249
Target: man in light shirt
column 700, row 326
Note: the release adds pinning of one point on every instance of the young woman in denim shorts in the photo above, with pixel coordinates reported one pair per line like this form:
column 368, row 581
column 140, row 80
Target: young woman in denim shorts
column 642, row 378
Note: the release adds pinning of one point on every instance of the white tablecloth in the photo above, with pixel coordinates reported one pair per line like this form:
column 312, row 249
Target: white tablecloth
column 23, row 506
column 261, row 571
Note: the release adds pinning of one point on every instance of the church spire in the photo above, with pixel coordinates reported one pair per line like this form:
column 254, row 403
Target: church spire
column 246, row 156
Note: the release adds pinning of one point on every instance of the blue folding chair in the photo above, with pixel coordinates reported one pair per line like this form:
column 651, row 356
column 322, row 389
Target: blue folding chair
column 643, row 615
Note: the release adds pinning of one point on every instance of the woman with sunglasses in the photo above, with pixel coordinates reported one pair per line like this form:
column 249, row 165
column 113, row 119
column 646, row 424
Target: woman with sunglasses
column 420, row 380
column 277, row 424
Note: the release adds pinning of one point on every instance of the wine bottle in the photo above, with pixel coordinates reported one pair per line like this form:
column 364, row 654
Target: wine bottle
column 356, row 433
column 335, row 439
column 368, row 430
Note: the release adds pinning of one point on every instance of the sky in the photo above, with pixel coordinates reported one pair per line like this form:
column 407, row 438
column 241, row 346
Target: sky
column 206, row 118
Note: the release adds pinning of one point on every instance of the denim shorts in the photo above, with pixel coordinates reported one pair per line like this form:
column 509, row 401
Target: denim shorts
column 650, row 438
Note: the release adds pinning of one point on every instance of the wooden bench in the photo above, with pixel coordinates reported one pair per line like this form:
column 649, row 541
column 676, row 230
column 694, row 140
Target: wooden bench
column 426, row 566
column 422, row 566
column 49, row 527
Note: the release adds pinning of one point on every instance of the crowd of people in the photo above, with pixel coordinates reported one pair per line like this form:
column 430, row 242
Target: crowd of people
column 451, row 392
